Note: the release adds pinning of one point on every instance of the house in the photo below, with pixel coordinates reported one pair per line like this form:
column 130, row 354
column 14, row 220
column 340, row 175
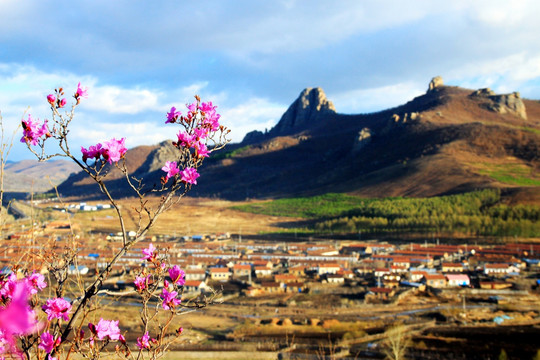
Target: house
column 435, row 280
column 380, row 293
column 194, row 287
column 379, row 272
column 398, row 269
column 242, row 270
column 298, row 270
column 195, row 274
column 451, row 267
column 500, row 269
column 335, row 279
column 416, row 276
column 295, row 287
column 458, row 280
column 220, row 273
column 331, row 268
column 285, row 278
column 263, row 271
column 272, row 288
column 401, row 262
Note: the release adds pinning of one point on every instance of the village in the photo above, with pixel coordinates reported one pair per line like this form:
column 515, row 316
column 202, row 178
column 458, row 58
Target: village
column 348, row 291
column 258, row 268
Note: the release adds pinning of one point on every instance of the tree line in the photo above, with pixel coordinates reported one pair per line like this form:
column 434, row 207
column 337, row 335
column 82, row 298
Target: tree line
column 474, row 213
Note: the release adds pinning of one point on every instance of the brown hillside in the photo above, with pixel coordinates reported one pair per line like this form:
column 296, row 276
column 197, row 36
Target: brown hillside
column 446, row 141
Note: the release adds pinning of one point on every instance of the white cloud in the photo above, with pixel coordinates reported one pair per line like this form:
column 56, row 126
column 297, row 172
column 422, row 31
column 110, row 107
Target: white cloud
column 136, row 133
column 252, row 114
column 115, row 100
column 505, row 74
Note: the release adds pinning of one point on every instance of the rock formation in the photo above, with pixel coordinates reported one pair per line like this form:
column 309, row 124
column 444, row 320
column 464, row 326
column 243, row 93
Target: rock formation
column 436, row 82
column 312, row 105
column 363, row 139
column 504, row 103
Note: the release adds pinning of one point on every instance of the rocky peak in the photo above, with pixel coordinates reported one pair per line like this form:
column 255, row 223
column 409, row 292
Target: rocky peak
column 306, row 109
column 436, row 82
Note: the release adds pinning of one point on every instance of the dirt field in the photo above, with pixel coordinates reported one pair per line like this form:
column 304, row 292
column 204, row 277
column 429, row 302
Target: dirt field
column 190, row 216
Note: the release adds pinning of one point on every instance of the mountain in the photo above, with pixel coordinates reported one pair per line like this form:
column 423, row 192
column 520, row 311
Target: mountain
column 448, row 140
column 32, row 175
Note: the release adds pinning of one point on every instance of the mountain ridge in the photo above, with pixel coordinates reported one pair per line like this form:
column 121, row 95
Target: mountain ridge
column 448, row 140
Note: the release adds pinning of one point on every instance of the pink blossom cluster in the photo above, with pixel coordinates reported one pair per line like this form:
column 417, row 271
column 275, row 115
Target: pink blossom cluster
column 106, row 329
column 170, row 300
column 144, row 341
column 57, row 308
column 169, row 295
column 200, row 121
column 48, row 342
column 17, row 318
column 111, row 151
column 33, row 131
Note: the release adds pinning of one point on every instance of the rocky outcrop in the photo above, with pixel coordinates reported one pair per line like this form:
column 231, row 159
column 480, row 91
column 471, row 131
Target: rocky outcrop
column 397, row 121
column 483, row 92
column 311, row 106
column 155, row 160
column 436, row 82
column 509, row 103
column 504, row 103
column 363, row 139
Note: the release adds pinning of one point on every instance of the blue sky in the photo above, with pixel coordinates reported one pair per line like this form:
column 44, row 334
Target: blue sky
column 252, row 58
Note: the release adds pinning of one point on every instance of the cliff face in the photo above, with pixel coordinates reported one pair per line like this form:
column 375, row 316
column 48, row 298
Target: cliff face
column 310, row 107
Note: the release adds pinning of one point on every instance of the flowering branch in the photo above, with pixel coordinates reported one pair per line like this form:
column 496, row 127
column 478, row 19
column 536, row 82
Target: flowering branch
column 200, row 134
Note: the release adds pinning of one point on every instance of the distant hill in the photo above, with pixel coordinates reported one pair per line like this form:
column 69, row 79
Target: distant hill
column 31, row 175
column 449, row 140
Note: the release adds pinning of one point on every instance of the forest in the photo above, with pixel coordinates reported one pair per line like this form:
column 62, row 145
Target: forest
column 479, row 213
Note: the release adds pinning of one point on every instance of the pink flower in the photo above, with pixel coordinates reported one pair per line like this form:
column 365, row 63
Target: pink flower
column 17, row 318
column 143, row 342
column 192, row 109
column 202, row 150
column 211, row 116
column 141, row 281
column 172, row 115
column 171, row 168
column 189, row 175
column 208, row 108
column 106, row 328
column 169, row 298
column 200, row 133
column 93, row 152
column 57, row 308
column 115, row 150
column 9, row 286
column 51, row 99
column 36, row 282
column 33, row 131
column 62, row 103
column 177, row 275
column 150, row 253
column 184, row 139
column 81, row 92
column 48, row 343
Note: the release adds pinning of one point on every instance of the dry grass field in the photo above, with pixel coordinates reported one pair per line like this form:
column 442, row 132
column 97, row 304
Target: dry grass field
column 189, row 216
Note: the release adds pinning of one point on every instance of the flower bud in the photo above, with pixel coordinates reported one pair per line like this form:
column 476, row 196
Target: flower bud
column 51, row 99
